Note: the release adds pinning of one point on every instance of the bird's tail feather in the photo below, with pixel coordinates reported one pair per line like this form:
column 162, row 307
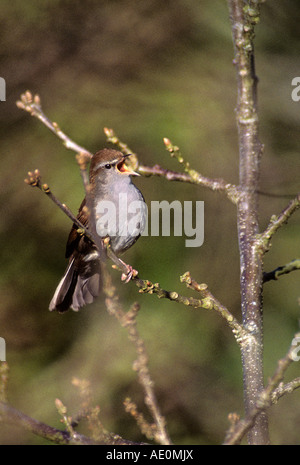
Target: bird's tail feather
column 76, row 290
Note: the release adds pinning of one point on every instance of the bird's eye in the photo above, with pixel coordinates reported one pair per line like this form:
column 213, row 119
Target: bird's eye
column 108, row 166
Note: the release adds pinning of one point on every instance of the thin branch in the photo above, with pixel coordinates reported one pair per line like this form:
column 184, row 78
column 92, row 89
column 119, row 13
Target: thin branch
column 281, row 270
column 214, row 184
column 32, row 104
column 284, row 389
column 128, row 321
column 10, row 415
column 217, row 185
column 34, row 180
column 208, row 301
column 169, row 175
column 191, row 176
column 276, row 222
column 146, row 428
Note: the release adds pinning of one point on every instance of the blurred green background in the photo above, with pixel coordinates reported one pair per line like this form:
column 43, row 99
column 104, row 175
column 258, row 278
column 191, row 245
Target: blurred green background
column 147, row 69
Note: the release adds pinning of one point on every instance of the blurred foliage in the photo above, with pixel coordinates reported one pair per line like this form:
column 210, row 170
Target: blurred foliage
column 148, row 70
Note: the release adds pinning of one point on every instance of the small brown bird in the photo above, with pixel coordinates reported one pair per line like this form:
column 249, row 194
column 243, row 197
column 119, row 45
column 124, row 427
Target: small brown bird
column 120, row 214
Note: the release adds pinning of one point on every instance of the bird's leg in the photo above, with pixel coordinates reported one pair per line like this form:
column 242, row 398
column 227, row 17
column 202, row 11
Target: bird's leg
column 131, row 273
column 128, row 271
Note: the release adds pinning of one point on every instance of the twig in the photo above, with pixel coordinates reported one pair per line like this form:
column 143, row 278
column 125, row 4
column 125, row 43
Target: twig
column 34, row 180
column 32, row 104
column 141, row 366
column 210, row 302
column 270, row 394
column 11, row 415
column 14, row 416
column 276, row 222
column 146, row 428
column 88, row 411
column 281, row 270
column 214, row 184
column 67, row 420
column 128, row 321
column 190, row 175
column 169, row 175
column 284, row 389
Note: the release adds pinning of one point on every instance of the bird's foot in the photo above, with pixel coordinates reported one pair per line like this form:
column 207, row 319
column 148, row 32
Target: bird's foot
column 132, row 273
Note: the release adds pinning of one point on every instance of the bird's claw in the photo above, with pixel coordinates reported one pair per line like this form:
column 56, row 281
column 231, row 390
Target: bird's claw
column 132, row 273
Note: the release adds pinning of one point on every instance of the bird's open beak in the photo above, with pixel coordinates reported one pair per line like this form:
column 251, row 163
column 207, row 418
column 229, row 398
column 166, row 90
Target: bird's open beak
column 125, row 169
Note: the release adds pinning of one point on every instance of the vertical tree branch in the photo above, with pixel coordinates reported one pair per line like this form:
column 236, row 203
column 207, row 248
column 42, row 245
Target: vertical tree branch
column 244, row 16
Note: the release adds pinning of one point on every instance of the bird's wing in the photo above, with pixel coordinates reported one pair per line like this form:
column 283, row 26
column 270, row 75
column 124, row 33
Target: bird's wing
column 74, row 236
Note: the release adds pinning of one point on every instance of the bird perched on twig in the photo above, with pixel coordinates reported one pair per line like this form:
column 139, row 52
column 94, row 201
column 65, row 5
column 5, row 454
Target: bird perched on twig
column 119, row 213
